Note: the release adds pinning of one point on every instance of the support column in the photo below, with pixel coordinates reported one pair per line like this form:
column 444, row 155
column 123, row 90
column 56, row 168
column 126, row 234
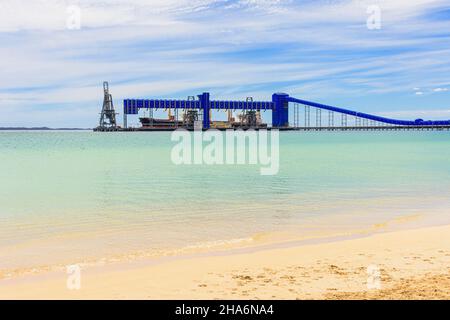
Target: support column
column 125, row 112
column 280, row 113
column 204, row 104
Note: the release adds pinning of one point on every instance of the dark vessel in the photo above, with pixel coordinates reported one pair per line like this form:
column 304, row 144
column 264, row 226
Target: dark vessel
column 159, row 123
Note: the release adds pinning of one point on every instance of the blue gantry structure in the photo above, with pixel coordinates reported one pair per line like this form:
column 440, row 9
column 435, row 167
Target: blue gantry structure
column 279, row 106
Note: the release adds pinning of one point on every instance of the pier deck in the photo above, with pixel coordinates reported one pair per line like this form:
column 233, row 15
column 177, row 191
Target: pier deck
column 349, row 128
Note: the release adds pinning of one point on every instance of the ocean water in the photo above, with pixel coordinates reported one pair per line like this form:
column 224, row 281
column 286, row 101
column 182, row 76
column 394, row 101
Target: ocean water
column 84, row 197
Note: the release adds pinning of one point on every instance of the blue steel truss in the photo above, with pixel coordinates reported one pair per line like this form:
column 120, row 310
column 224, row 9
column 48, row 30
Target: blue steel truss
column 132, row 106
column 418, row 122
column 279, row 107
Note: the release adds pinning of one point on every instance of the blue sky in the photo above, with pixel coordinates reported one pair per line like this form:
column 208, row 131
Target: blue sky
column 316, row 50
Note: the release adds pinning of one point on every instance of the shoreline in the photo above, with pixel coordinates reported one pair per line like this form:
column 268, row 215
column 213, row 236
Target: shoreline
column 331, row 270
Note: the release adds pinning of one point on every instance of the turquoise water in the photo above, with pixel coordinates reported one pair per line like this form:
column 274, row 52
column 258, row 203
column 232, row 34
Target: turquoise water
column 81, row 196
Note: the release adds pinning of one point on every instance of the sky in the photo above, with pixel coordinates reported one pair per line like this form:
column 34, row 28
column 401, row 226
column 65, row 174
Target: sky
column 333, row 52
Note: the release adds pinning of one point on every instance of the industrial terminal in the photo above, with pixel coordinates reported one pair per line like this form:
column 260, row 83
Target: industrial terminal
column 287, row 113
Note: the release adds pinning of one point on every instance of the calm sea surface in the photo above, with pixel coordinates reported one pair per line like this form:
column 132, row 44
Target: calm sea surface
column 68, row 197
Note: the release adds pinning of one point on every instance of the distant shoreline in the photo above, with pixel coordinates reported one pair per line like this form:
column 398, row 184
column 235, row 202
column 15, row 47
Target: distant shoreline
column 40, row 129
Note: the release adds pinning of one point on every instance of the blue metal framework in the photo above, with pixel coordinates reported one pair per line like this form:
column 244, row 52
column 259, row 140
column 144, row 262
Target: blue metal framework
column 418, row 122
column 279, row 107
column 132, row 106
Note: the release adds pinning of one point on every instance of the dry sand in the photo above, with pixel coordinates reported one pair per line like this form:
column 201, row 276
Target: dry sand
column 413, row 264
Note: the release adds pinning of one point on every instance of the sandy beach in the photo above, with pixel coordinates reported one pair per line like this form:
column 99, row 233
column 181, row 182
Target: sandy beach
column 412, row 264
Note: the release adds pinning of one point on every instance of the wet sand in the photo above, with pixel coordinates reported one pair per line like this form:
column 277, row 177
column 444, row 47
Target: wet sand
column 412, row 264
